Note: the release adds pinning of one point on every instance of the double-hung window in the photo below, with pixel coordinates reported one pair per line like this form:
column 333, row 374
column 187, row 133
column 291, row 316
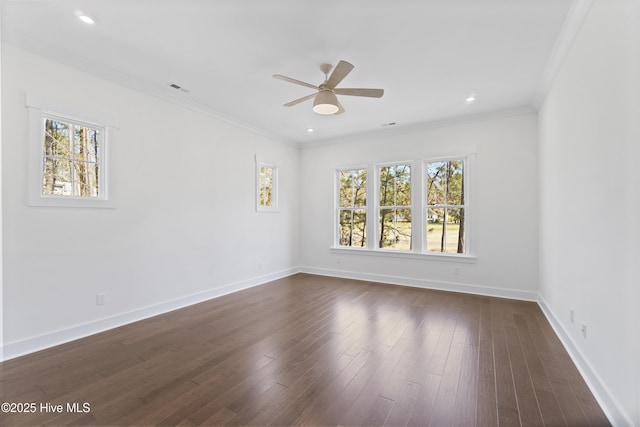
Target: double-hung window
column 394, row 207
column 69, row 156
column 72, row 158
column 352, row 208
column 445, row 206
column 417, row 207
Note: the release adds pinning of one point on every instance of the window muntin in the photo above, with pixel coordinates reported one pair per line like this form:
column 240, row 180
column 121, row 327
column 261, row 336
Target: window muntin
column 445, row 210
column 72, row 160
column 394, row 227
column 352, row 210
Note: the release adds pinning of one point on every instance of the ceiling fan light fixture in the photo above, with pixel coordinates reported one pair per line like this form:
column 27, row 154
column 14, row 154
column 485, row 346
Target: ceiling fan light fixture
column 325, row 102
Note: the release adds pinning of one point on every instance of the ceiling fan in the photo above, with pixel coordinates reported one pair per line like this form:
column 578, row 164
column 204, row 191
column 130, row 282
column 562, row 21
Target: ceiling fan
column 326, row 101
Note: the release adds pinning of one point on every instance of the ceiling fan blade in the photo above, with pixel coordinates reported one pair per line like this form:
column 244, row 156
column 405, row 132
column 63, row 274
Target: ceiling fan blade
column 299, row 100
column 298, row 82
column 339, row 73
column 371, row 93
column 340, row 109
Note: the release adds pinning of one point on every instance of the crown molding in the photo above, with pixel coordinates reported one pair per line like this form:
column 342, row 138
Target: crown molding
column 426, row 125
column 70, row 59
column 572, row 24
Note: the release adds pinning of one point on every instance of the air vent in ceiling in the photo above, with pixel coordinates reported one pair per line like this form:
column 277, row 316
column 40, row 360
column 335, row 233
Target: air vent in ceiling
column 178, row 87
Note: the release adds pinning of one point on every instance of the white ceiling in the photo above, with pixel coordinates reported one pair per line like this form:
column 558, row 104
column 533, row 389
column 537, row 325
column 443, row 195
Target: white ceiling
column 428, row 55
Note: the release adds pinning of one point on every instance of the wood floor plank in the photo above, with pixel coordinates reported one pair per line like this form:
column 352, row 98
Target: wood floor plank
column 312, row 350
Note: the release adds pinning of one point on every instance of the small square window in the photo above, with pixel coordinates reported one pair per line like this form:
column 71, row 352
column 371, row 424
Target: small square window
column 71, row 159
column 69, row 156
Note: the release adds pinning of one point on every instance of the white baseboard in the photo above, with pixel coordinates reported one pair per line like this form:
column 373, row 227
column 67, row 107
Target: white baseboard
column 52, row 339
column 427, row 284
column 609, row 405
column 612, row 409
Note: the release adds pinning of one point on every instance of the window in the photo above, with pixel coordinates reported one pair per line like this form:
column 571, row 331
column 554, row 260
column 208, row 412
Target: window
column 394, row 231
column 68, row 160
column 445, row 206
column 267, row 181
column 71, row 158
column 352, row 208
column 414, row 209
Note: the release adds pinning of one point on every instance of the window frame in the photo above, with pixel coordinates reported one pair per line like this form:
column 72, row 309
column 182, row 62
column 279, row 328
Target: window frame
column 339, row 208
column 379, row 207
column 465, row 205
column 274, row 186
column 418, row 206
column 38, row 111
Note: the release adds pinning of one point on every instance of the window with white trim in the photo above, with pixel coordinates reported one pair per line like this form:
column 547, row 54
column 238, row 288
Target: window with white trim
column 394, row 207
column 417, row 207
column 72, row 158
column 68, row 160
column 352, row 207
column 266, row 187
column 445, row 210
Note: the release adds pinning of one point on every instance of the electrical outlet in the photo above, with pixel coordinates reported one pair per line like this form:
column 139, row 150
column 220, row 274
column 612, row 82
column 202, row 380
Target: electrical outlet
column 571, row 315
column 584, row 330
column 101, row 299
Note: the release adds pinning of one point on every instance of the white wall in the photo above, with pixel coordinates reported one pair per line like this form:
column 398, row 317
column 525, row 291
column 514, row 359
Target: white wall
column 185, row 227
column 1, row 240
column 590, row 204
column 504, row 193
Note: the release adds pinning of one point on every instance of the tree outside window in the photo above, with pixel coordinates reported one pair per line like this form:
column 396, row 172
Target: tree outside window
column 445, row 206
column 71, row 159
column 352, row 211
column 395, row 207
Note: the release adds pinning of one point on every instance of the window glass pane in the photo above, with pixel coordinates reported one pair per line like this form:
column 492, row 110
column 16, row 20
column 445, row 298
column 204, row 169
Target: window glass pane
column 455, row 231
column 403, row 229
column 93, row 145
column 56, row 177
column 56, row 139
column 387, row 229
column 86, row 179
column 455, row 183
column 395, row 229
column 266, row 186
column 435, row 238
column 403, row 185
column 353, row 227
column 85, row 143
column 436, row 178
column 387, row 186
column 395, row 185
column 353, row 188
column 445, row 230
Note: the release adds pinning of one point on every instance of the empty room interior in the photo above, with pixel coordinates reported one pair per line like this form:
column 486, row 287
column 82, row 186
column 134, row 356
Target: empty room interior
column 320, row 213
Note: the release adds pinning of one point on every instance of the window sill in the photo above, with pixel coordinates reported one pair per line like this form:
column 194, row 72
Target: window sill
column 467, row 259
column 70, row 202
column 267, row 210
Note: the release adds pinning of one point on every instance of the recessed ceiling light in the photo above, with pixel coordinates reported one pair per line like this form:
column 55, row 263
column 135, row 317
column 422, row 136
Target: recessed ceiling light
column 87, row 19
column 310, row 130
column 471, row 98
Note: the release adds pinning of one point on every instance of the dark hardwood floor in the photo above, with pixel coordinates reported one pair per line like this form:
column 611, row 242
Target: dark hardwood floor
column 311, row 350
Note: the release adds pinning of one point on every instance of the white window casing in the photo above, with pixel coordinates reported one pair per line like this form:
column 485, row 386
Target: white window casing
column 39, row 111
